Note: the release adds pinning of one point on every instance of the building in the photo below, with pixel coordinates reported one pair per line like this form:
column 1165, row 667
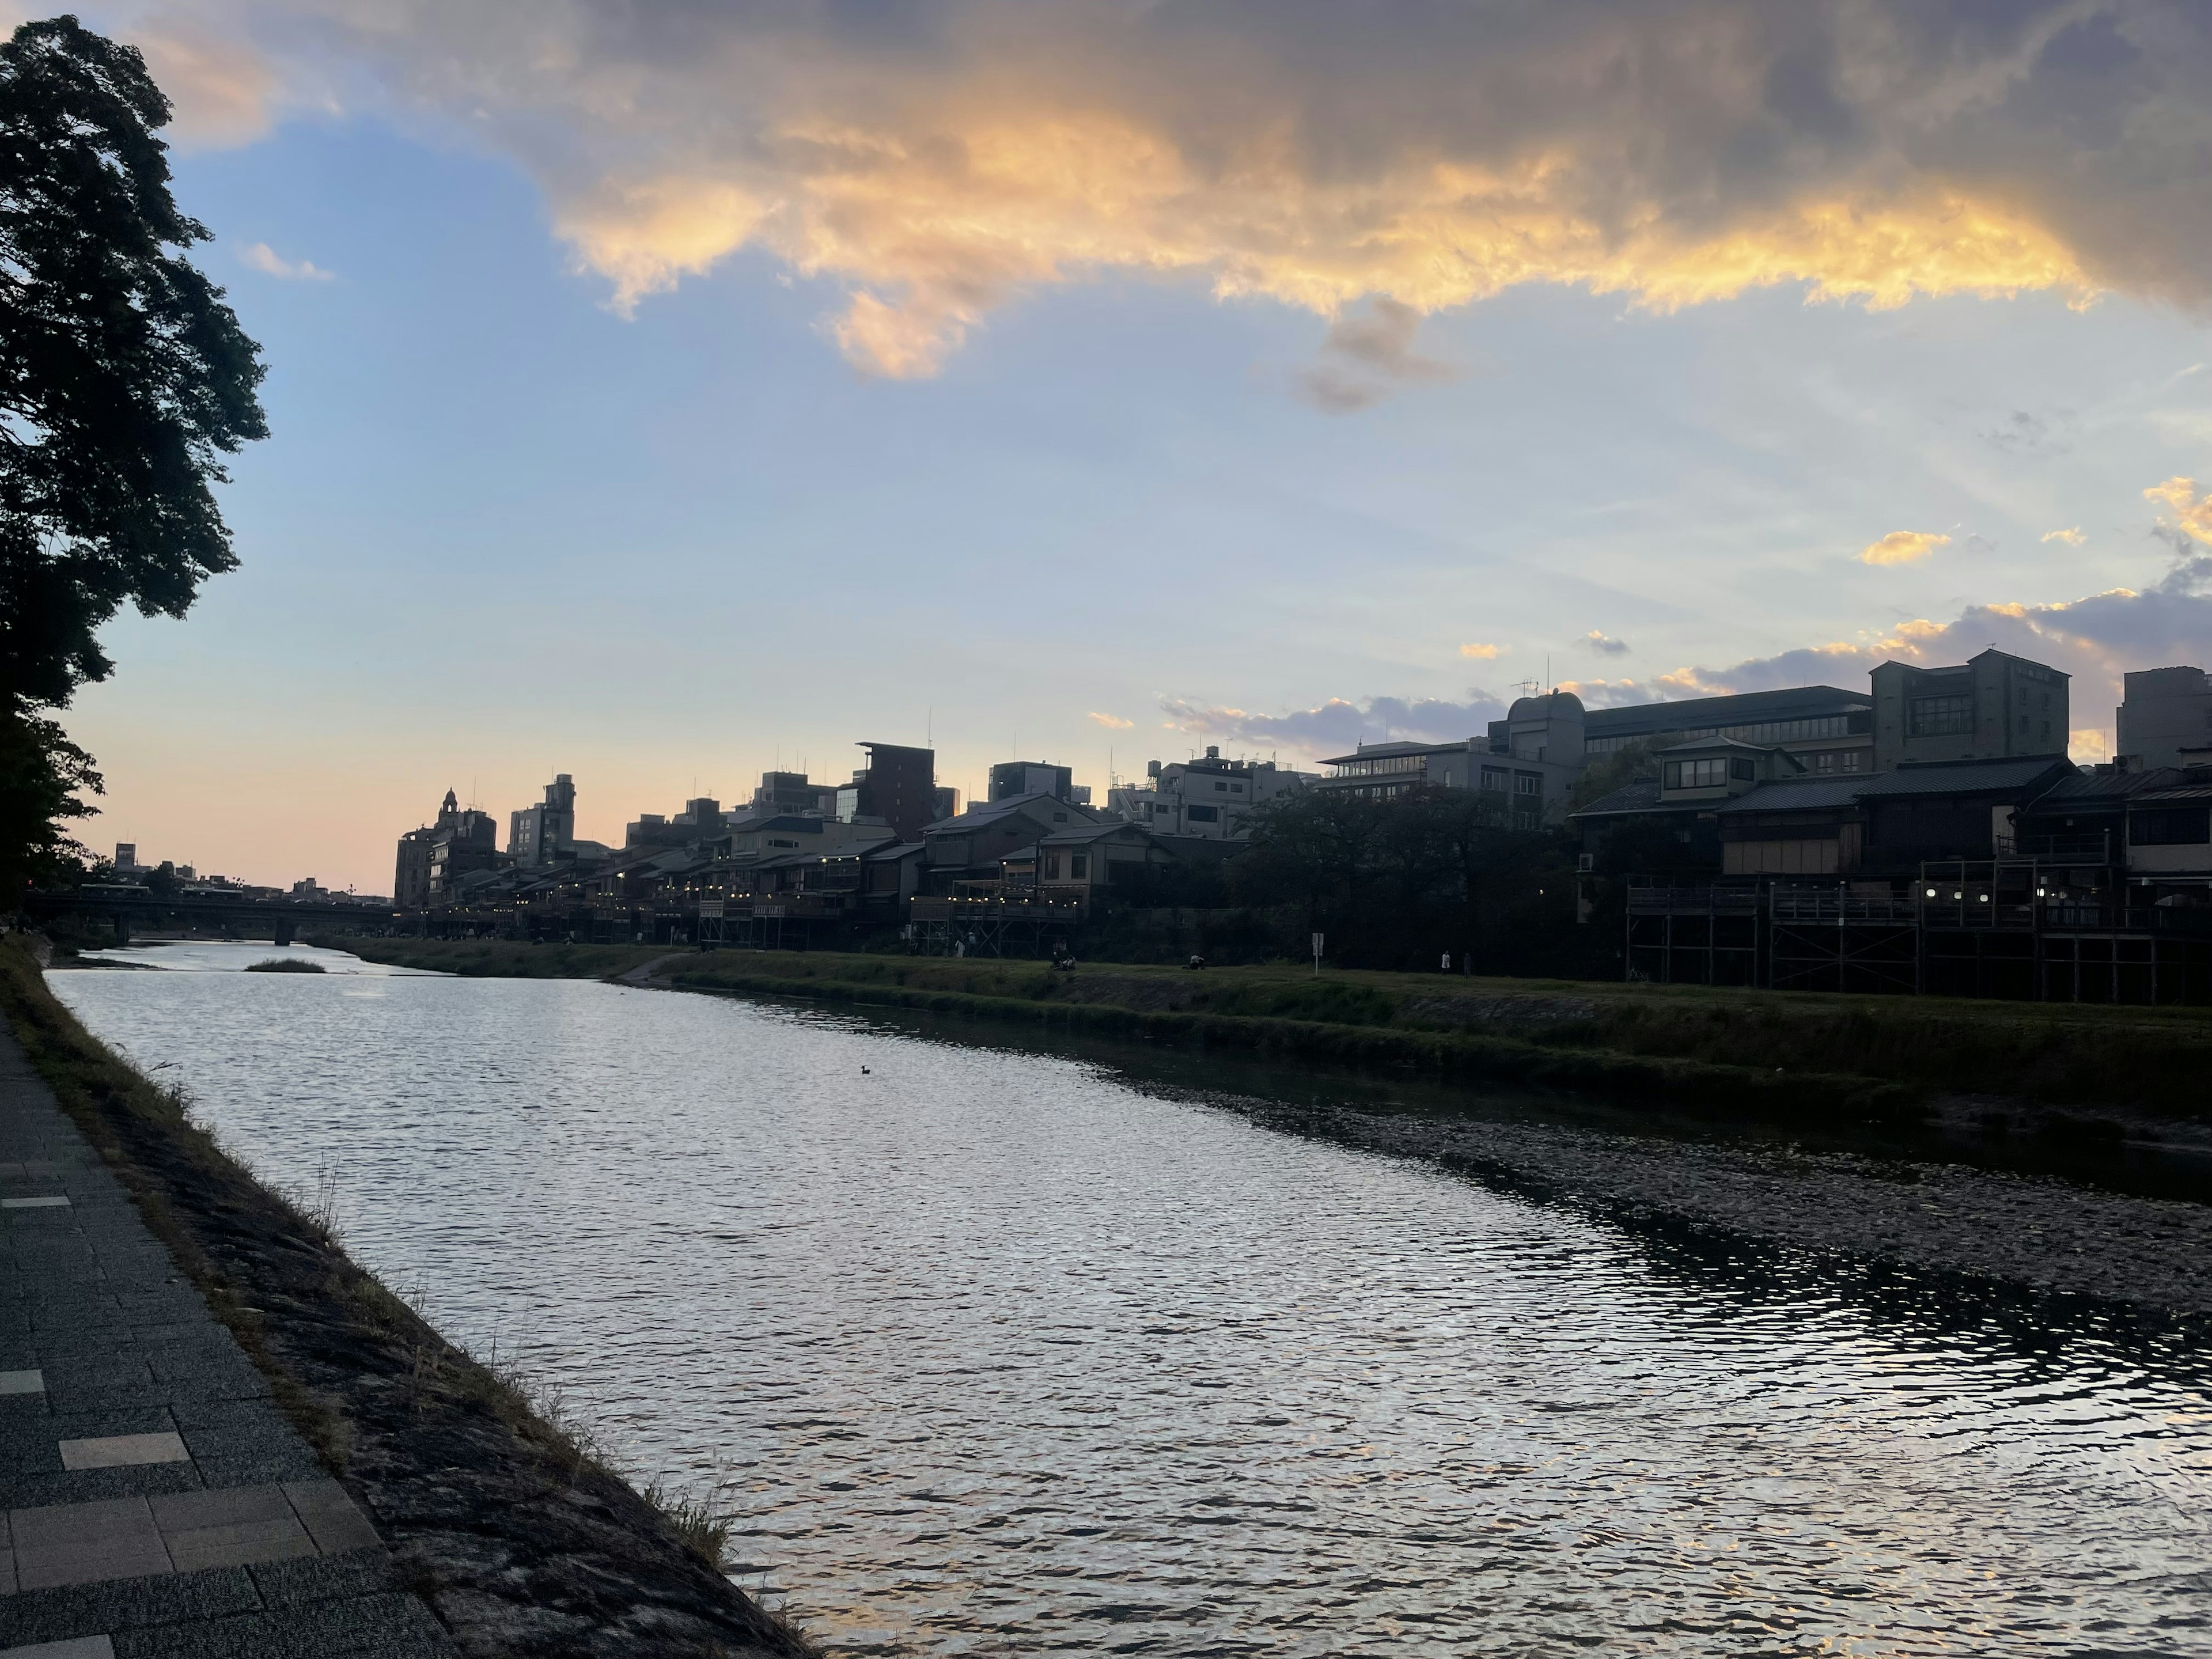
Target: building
column 1208, row 797
column 433, row 859
column 969, row 848
column 1993, row 707
column 944, row 803
column 1012, row 778
column 2163, row 712
column 1830, row 730
column 126, row 857
column 1525, row 764
column 897, row 787
column 702, row 817
column 546, row 833
column 791, row 791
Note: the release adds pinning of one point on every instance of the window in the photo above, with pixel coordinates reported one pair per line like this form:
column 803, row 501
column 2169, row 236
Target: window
column 1052, row 866
column 1742, row 770
column 1694, row 775
column 1078, row 865
column 1237, row 787
column 2170, row 826
column 1222, row 787
column 1060, row 817
column 1204, row 814
column 1528, row 783
column 1494, row 777
column 1940, row 717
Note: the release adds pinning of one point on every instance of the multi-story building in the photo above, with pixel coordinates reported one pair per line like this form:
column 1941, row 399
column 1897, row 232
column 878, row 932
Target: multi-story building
column 897, row 787
column 1525, row 763
column 1992, row 706
column 1012, row 778
column 1209, row 798
column 1829, row 730
column 545, row 833
column 701, row 816
column 434, row 858
column 791, row 791
column 2163, row 712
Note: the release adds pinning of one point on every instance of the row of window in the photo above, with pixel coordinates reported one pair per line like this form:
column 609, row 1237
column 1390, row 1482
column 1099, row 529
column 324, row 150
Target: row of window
column 1765, row 731
column 1940, row 717
column 1706, row 773
column 2171, row 826
column 1381, row 766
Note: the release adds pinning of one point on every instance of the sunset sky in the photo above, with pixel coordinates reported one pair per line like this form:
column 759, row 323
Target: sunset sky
column 662, row 390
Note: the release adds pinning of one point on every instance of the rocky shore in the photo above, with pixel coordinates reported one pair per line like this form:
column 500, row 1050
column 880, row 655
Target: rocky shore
column 2041, row 1235
column 517, row 1537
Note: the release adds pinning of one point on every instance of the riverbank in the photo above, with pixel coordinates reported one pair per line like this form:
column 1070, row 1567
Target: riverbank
column 2101, row 1073
column 504, row 1522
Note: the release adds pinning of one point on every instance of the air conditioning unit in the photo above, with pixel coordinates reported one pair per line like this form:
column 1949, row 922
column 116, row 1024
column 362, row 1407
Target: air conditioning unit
column 1585, row 863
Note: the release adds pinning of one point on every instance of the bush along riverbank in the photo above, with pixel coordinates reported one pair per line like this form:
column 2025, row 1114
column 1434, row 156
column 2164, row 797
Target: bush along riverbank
column 520, row 1539
column 2104, row 1073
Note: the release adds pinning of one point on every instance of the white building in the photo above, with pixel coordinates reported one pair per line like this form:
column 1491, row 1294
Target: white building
column 1209, row 797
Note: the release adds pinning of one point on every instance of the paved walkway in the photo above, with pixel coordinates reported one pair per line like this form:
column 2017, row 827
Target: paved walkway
column 157, row 1505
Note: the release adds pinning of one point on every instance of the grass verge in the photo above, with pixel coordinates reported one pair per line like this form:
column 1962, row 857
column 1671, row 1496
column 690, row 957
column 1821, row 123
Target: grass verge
column 1802, row 1051
column 499, row 1511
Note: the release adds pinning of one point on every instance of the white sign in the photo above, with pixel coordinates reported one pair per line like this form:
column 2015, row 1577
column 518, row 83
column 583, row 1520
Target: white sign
column 1317, row 947
column 710, row 909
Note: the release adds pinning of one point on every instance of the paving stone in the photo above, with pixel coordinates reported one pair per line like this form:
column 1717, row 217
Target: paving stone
column 80, row 1647
column 237, row 1545
column 330, row 1516
column 169, row 1600
column 83, row 1543
column 116, row 1450
column 234, row 1526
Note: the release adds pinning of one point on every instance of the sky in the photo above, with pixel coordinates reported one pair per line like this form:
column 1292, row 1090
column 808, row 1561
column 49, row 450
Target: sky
column 662, row 392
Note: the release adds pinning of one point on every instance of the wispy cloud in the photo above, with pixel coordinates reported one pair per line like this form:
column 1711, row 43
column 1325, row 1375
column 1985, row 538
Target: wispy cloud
column 1603, row 645
column 2071, row 536
column 1111, row 722
column 1368, row 355
column 265, row 258
column 1902, row 547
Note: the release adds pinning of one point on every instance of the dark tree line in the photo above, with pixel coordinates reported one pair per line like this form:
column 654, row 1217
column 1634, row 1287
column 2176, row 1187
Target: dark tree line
column 123, row 380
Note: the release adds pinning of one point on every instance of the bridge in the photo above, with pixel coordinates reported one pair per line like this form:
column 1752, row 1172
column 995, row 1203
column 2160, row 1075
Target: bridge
column 123, row 907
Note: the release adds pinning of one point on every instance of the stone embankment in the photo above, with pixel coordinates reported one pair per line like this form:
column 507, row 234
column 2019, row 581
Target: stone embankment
column 502, row 1525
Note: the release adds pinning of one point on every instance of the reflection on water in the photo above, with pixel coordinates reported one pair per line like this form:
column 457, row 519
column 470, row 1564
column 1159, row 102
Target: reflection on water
column 993, row 1353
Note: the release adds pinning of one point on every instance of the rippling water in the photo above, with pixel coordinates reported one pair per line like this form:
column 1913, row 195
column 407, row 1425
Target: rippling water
column 993, row 1353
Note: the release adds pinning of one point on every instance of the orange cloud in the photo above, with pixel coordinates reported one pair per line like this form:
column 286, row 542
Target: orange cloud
column 1902, row 547
column 935, row 165
column 2192, row 513
column 1481, row 652
column 1111, row 722
column 2072, row 537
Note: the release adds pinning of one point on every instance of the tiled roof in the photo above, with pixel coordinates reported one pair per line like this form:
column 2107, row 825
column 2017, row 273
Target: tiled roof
column 1964, row 777
column 1799, row 795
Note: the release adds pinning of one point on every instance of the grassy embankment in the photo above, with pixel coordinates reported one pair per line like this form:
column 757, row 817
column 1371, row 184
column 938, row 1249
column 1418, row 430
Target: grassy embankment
column 1786, row 1054
column 501, row 1515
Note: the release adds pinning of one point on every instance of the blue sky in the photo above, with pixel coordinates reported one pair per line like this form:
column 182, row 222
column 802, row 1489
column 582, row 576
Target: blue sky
column 506, row 526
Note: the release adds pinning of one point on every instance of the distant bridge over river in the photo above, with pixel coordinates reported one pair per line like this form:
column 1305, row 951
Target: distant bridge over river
column 127, row 908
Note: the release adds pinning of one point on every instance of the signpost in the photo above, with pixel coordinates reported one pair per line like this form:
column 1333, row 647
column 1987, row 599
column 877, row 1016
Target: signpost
column 1316, row 942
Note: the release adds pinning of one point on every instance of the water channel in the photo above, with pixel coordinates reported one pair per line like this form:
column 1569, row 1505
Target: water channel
column 1001, row 1351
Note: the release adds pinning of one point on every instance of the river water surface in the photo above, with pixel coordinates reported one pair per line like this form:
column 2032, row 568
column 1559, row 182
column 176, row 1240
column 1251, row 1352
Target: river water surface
column 994, row 1352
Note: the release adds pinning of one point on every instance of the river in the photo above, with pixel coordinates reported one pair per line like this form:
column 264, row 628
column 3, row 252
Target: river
column 999, row 1352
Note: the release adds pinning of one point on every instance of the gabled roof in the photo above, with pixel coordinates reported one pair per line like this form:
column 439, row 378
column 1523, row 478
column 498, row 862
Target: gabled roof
column 1798, row 795
column 2003, row 776
column 982, row 813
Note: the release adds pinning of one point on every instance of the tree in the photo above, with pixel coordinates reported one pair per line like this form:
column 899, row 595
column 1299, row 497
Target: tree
column 123, row 380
